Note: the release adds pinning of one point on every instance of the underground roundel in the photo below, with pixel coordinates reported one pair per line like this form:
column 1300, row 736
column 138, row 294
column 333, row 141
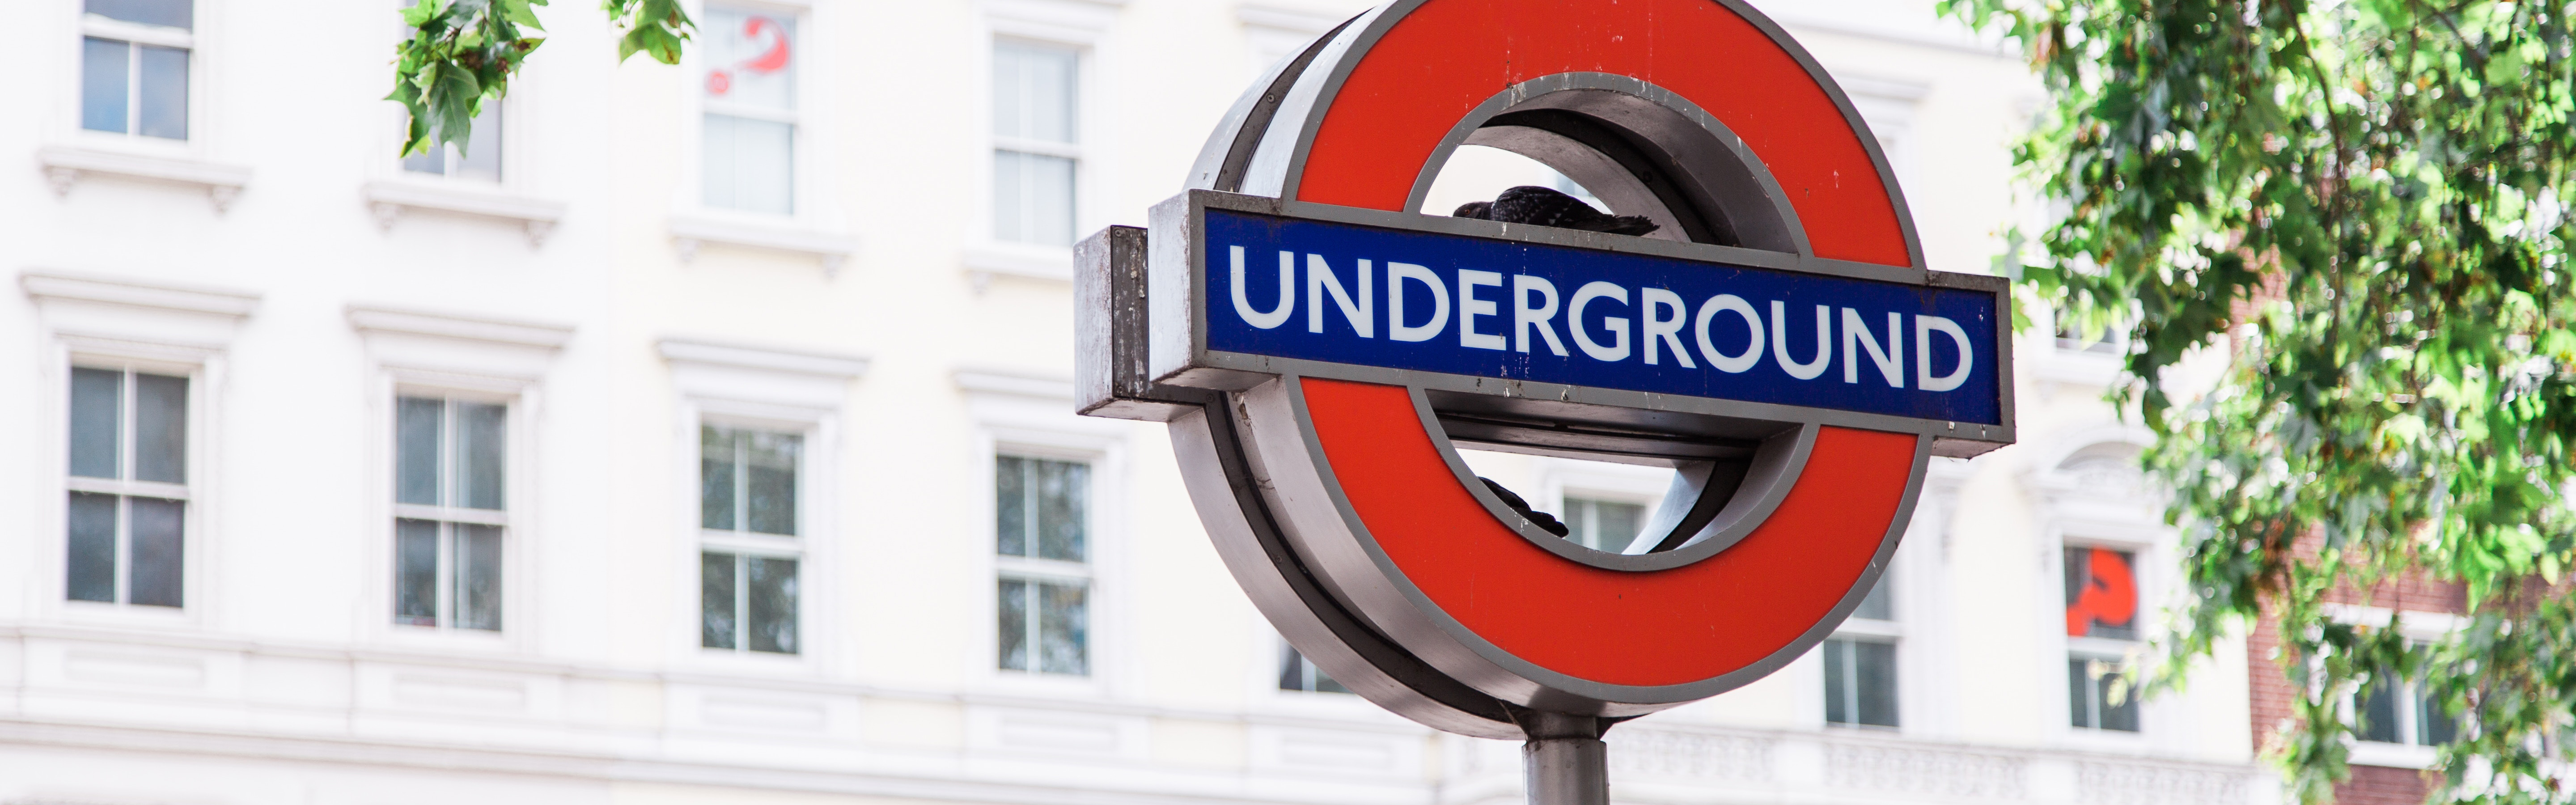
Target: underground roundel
column 1321, row 346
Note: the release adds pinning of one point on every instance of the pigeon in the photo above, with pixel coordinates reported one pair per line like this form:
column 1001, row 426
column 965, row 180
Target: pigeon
column 1539, row 206
column 1543, row 520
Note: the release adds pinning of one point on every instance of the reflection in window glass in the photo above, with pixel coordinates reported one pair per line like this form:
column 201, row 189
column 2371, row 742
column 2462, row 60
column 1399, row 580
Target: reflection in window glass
column 128, row 435
column 1298, row 673
column 90, row 555
column 747, row 602
column 748, row 507
column 1036, row 129
column 451, row 465
column 2101, row 593
column 1041, row 512
column 2099, row 696
column 1044, row 627
column 747, row 479
column 1603, row 525
column 1039, row 506
column 748, row 135
column 97, row 423
column 104, row 86
column 1878, row 605
column 181, row 14
column 2401, row 711
column 161, row 92
column 130, row 87
column 478, row 157
column 1860, row 682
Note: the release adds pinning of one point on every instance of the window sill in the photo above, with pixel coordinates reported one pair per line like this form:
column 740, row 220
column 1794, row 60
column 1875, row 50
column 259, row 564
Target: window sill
column 101, row 613
column 65, row 166
column 688, row 232
column 2401, row 756
column 2073, row 367
column 1038, row 685
column 388, row 199
column 1044, row 263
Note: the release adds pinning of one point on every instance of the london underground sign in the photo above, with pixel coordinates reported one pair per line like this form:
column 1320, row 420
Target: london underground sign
column 1321, row 347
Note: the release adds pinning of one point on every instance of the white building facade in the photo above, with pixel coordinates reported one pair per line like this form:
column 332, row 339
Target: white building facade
column 704, row 433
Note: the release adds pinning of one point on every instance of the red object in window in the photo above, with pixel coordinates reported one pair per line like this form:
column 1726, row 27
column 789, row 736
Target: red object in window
column 774, row 59
column 718, row 83
column 2110, row 594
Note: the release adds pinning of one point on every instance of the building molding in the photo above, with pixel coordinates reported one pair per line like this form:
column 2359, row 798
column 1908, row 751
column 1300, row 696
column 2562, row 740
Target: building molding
column 1005, row 381
column 65, row 166
column 374, row 320
column 1033, row 263
column 387, row 200
column 747, row 357
column 486, row 352
column 1070, row 21
column 690, row 232
column 1289, row 19
column 45, row 286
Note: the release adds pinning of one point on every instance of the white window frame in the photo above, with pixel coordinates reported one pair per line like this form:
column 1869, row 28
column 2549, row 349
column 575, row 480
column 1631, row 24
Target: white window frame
column 1870, row 630
column 88, row 25
column 2076, row 514
column 1079, row 26
column 2418, row 627
column 751, row 544
column 178, row 330
column 1561, row 479
column 2149, row 567
column 512, row 498
column 1074, row 151
column 1011, row 422
column 754, row 387
column 811, row 119
column 194, row 366
column 518, row 519
column 1045, row 571
column 816, row 547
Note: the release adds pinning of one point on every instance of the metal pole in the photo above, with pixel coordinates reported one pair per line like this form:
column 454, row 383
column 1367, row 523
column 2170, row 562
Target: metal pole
column 1566, row 761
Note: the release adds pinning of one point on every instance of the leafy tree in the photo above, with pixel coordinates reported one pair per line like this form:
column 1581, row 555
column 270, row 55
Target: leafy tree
column 2361, row 208
column 463, row 52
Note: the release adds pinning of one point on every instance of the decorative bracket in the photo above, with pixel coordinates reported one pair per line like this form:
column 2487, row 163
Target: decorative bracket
column 65, row 166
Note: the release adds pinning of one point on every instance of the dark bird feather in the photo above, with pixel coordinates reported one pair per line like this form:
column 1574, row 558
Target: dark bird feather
column 1543, row 520
column 1539, row 206
column 1481, row 210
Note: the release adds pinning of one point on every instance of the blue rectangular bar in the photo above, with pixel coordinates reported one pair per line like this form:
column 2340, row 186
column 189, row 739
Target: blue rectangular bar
column 1453, row 304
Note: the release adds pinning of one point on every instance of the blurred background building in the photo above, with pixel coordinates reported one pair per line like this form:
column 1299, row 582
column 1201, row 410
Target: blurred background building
column 704, row 434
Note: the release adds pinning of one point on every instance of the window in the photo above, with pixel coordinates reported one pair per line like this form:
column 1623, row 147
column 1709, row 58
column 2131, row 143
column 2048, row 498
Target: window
column 134, row 66
column 450, row 511
column 2101, row 628
column 1602, row 525
column 1298, row 673
column 1036, row 143
column 748, row 515
column 1041, row 525
column 479, row 157
column 2113, row 339
column 1860, row 664
column 125, row 538
column 749, row 141
column 2399, row 711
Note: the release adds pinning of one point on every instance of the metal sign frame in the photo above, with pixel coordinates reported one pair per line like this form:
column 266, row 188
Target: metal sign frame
column 1333, row 490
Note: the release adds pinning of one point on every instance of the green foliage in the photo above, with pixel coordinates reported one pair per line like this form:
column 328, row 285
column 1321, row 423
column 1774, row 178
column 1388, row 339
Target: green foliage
column 656, row 27
column 460, row 53
column 2360, row 208
column 463, row 52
